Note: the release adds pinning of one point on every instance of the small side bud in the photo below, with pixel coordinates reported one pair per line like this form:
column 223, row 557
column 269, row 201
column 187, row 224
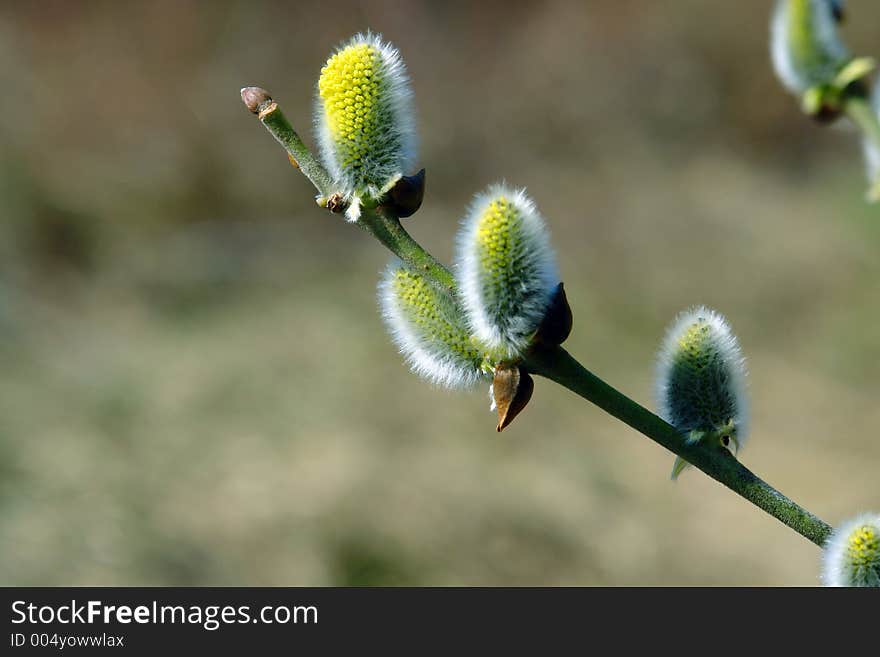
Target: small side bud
column 255, row 98
column 506, row 269
column 365, row 120
column 336, row 203
column 405, row 198
column 851, row 557
column 429, row 328
column 822, row 104
column 805, row 45
column 558, row 320
column 826, row 103
column 701, row 381
column 512, row 389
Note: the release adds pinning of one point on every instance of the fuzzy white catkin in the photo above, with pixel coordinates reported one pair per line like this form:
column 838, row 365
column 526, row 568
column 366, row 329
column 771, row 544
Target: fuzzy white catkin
column 506, row 269
column 805, row 44
column 428, row 328
column 851, row 556
column 364, row 119
column 701, row 376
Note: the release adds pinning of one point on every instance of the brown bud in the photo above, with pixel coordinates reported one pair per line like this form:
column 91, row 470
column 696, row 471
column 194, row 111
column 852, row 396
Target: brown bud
column 832, row 103
column 335, row 203
column 512, row 389
column 556, row 325
column 827, row 114
column 255, row 98
column 405, row 198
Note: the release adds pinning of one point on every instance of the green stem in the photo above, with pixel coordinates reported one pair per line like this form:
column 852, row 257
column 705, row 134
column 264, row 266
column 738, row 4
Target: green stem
column 557, row 365
column 386, row 228
column 716, row 461
column 862, row 114
column 278, row 125
column 260, row 103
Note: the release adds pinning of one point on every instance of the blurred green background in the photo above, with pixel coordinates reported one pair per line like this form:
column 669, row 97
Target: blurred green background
column 195, row 385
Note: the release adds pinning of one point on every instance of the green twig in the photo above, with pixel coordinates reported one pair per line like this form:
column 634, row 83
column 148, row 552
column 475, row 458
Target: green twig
column 386, row 228
column 558, row 365
column 859, row 110
column 716, row 461
column 267, row 110
column 862, row 114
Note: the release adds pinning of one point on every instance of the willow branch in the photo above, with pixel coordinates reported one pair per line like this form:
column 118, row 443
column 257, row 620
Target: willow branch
column 267, row 110
column 385, row 227
column 716, row 461
column 557, row 364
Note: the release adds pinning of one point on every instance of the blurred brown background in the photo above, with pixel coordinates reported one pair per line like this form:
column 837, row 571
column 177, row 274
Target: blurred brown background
column 195, row 385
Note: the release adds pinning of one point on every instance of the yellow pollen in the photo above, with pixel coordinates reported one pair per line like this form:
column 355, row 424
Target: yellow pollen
column 432, row 316
column 495, row 235
column 693, row 344
column 863, row 547
column 348, row 82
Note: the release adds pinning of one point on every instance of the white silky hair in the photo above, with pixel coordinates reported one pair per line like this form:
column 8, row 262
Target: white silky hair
column 427, row 356
column 393, row 145
column 725, row 343
column 791, row 74
column 834, row 553
column 506, row 319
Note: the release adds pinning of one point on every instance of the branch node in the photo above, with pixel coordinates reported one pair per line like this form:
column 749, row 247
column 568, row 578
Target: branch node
column 336, row 203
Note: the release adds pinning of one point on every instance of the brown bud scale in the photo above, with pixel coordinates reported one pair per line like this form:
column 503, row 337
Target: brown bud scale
column 512, row 389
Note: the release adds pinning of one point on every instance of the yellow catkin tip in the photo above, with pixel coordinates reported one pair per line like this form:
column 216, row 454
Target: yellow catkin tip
column 863, row 546
column 494, row 236
column 347, row 85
